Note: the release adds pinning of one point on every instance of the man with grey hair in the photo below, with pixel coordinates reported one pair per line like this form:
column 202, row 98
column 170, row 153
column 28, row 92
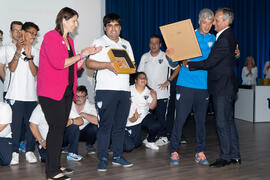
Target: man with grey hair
column 222, row 85
column 191, row 93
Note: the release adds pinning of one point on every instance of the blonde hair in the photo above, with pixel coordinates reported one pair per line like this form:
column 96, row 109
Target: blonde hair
column 250, row 58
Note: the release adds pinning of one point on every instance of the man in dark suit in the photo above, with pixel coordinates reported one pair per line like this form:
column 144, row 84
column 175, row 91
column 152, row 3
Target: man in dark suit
column 223, row 86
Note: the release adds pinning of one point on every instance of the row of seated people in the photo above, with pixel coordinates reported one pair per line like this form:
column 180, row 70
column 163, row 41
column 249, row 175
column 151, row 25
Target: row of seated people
column 82, row 124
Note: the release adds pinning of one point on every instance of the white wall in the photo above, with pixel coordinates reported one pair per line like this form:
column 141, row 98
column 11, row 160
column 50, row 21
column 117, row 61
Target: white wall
column 43, row 13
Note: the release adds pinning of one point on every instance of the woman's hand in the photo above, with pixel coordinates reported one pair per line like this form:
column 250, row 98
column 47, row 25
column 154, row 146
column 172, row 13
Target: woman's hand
column 91, row 50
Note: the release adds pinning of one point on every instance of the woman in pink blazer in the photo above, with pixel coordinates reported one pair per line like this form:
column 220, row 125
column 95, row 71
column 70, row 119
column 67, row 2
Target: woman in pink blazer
column 57, row 84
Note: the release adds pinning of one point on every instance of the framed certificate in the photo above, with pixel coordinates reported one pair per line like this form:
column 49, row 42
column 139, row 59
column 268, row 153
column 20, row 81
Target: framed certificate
column 122, row 62
column 180, row 36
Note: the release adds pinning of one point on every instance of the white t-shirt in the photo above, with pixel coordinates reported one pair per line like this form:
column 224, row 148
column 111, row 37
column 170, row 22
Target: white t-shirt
column 266, row 72
column 3, row 60
column 38, row 118
column 88, row 108
column 23, row 84
column 106, row 79
column 251, row 78
column 157, row 70
column 139, row 101
column 5, row 118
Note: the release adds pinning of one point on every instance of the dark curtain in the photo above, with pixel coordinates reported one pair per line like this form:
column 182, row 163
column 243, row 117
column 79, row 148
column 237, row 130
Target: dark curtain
column 142, row 18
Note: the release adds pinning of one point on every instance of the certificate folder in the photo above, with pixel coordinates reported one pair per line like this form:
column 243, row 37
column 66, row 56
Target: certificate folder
column 181, row 37
column 122, row 62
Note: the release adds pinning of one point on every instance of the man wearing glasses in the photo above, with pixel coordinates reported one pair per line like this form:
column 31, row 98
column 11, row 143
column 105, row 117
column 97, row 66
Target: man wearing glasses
column 22, row 60
column 15, row 32
column 82, row 125
column 84, row 112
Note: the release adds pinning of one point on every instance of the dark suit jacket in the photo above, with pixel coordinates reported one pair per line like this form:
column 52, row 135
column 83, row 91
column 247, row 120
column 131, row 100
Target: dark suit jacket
column 221, row 79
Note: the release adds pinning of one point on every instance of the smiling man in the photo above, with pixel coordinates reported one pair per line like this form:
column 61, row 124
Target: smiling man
column 191, row 93
column 222, row 85
column 112, row 94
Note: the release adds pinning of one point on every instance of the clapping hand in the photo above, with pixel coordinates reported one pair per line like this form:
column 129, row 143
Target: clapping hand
column 91, row 50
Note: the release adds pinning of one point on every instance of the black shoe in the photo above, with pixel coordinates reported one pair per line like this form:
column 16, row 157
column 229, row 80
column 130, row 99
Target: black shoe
column 220, row 163
column 66, row 171
column 61, row 178
column 236, row 161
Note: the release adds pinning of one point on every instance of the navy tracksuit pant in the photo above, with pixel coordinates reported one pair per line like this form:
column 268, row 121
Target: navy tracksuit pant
column 160, row 113
column 186, row 100
column 5, row 151
column 73, row 134
column 113, row 109
column 133, row 134
column 21, row 112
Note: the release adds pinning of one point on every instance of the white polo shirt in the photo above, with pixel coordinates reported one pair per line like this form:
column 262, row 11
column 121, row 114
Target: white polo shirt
column 38, row 118
column 157, row 70
column 88, row 108
column 105, row 79
column 22, row 86
column 5, row 118
column 3, row 60
column 140, row 101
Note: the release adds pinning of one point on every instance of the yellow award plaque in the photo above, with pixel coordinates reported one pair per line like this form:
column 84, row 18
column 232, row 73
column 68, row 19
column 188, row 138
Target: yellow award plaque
column 122, row 62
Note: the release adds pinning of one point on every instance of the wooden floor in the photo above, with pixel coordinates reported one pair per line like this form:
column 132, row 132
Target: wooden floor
column 148, row 164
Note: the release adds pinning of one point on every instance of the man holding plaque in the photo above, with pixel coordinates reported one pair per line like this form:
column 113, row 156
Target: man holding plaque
column 191, row 93
column 112, row 93
column 222, row 85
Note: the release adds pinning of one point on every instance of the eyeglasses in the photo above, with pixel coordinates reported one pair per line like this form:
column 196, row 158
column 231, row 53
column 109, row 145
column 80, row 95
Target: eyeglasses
column 32, row 33
column 16, row 30
column 80, row 97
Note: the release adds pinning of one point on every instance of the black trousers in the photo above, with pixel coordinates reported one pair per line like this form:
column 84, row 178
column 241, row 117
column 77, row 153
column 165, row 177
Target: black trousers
column 56, row 114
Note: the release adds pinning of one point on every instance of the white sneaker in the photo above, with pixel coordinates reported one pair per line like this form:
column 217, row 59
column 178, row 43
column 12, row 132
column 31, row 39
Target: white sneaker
column 145, row 141
column 30, row 157
column 162, row 141
column 74, row 157
column 15, row 159
column 151, row 145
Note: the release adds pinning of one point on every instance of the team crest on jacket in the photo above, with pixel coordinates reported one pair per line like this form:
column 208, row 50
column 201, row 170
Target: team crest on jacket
column 210, row 44
column 160, row 61
column 178, row 96
column 146, row 97
column 99, row 104
column 124, row 46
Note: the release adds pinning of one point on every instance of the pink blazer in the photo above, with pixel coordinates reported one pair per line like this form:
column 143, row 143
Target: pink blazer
column 52, row 77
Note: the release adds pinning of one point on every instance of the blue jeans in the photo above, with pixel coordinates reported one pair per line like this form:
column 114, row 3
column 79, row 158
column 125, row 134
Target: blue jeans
column 226, row 129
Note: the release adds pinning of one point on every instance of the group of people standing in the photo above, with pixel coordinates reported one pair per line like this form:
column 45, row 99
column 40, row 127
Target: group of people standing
column 122, row 110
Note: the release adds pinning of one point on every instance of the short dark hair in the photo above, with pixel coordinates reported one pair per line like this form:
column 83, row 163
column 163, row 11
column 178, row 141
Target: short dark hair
column 111, row 17
column 27, row 25
column 82, row 89
column 156, row 36
column 1, row 32
column 15, row 22
column 65, row 13
column 138, row 74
